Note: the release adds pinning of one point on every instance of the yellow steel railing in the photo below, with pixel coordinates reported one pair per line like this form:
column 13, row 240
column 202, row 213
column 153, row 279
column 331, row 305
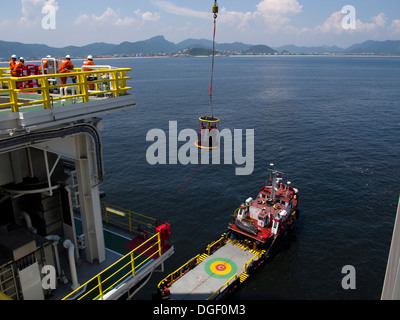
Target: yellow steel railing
column 213, row 245
column 172, row 277
column 4, row 72
column 111, row 81
column 225, row 285
column 4, row 297
column 97, row 287
column 129, row 219
column 256, row 257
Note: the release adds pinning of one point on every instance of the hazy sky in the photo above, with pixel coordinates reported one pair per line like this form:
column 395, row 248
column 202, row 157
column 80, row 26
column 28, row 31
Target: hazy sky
column 270, row 22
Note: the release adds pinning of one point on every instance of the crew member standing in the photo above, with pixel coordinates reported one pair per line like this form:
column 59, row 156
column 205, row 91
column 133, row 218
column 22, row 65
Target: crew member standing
column 43, row 66
column 18, row 71
column 89, row 62
column 66, row 67
column 18, row 68
column 13, row 62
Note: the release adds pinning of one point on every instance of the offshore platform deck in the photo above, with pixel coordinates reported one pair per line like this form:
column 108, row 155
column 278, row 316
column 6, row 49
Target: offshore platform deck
column 50, row 199
column 39, row 101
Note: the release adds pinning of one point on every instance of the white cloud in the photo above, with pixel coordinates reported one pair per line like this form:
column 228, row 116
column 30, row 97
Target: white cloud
column 395, row 27
column 269, row 15
column 150, row 16
column 109, row 17
column 112, row 17
column 32, row 10
column 277, row 12
column 237, row 20
column 281, row 7
column 180, row 11
column 334, row 24
column 378, row 21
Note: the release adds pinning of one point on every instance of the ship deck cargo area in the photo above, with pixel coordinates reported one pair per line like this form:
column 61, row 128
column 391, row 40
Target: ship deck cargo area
column 214, row 274
column 211, row 274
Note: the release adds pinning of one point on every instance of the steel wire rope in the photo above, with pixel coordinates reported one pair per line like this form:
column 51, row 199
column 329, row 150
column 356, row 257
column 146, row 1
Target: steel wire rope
column 215, row 12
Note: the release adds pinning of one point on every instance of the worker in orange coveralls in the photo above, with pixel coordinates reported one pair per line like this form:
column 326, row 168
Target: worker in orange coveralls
column 13, row 62
column 66, row 67
column 89, row 62
column 44, row 64
column 18, row 68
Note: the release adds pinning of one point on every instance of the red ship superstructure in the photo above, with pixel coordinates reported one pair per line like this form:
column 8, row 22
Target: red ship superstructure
column 270, row 214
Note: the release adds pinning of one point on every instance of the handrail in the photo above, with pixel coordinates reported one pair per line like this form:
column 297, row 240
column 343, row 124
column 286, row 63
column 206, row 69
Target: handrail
column 179, row 271
column 251, row 260
column 100, row 285
column 4, row 297
column 128, row 218
column 214, row 243
column 115, row 78
column 226, row 284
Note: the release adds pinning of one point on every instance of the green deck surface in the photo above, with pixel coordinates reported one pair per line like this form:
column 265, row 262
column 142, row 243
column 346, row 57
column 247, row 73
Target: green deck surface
column 116, row 243
column 26, row 97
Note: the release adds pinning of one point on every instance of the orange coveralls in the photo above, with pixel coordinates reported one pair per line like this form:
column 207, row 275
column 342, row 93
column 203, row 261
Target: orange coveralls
column 89, row 63
column 66, row 67
column 44, row 66
column 16, row 71
column 12, row 64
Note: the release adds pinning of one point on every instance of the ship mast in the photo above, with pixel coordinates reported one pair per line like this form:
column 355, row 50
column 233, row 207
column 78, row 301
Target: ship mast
column 275, row 180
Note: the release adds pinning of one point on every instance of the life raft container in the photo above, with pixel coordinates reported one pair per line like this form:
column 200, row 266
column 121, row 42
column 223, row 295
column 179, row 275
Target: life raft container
column 246, row 227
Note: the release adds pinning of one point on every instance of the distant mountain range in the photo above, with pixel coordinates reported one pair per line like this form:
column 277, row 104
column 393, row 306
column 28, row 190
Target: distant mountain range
column 160, row 46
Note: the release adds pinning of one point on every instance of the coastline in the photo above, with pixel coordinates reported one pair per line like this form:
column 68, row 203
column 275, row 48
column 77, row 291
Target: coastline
column 231, row 56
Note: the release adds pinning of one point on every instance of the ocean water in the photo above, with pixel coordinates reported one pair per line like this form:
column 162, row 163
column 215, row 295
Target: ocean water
column 331, row 124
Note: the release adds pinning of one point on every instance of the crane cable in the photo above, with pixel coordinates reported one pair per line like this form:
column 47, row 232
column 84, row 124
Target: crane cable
column 215, row 12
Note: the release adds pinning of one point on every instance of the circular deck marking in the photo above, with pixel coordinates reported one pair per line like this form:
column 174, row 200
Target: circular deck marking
column 220, row 268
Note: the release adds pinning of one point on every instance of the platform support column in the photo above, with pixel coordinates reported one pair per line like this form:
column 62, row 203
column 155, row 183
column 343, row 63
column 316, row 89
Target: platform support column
column 90, row 205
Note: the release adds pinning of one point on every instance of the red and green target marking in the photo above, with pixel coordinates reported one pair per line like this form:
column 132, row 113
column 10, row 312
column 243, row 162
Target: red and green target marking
column 220, row 268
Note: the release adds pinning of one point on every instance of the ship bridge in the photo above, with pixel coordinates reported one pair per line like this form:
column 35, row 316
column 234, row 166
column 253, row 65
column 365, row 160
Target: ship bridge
column 51, row 212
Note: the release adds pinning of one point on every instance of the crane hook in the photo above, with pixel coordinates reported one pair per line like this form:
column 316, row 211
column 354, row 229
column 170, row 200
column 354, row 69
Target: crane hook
column 215, row 9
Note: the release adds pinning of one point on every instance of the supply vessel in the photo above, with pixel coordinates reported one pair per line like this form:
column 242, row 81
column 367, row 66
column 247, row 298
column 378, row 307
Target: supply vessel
column 257, row 227
column 59, row 240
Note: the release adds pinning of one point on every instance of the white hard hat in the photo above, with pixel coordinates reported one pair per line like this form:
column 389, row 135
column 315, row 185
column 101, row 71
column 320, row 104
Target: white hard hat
column 21, row 59
column 14, row 56
column 90, row 57
column 67, row 56
column 49, row 56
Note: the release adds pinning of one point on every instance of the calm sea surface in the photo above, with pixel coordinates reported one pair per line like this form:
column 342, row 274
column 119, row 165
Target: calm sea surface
column 332, row 124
